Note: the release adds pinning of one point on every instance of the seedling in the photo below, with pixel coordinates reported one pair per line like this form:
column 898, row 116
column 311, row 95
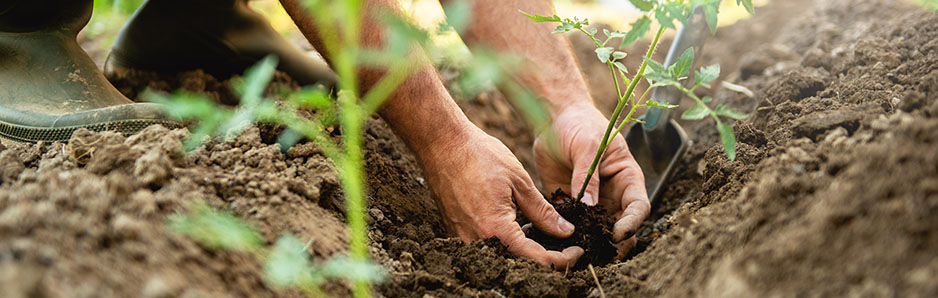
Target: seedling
column 657, row 75
column 348, row 111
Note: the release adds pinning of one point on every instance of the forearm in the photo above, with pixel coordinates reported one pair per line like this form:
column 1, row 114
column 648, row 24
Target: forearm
column 420, row 111
column 550, row 67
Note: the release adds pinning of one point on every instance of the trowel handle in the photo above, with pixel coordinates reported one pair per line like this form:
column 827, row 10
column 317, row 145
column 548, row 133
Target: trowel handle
column 692, row 35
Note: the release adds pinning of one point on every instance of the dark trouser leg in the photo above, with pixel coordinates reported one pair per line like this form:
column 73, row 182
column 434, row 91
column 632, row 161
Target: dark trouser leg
column 222, row 37
column 49, row 87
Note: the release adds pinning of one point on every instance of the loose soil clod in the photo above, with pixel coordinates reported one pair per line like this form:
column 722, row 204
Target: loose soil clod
column 593, row 231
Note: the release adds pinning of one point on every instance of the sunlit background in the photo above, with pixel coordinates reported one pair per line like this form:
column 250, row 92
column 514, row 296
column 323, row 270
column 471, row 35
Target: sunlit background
column 110, row 15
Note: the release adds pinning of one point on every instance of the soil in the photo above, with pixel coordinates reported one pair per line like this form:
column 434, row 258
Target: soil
column 594, row 229
column 833, row 192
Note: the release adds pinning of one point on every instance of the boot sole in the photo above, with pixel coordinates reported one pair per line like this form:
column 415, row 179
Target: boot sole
column 29, row 134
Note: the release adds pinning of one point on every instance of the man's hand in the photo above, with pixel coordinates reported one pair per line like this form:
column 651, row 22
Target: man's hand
column 479, row 182
column 618, row 184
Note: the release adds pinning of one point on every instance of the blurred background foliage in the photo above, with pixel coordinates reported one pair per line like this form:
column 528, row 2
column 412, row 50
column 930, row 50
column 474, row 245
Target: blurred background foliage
column 449, row 50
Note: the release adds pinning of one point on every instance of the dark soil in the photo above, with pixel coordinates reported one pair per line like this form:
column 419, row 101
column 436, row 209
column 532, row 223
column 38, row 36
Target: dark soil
column 833, row 193
column 593, row 231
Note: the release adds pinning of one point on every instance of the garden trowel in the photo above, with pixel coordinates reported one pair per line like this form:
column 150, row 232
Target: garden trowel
column 660, row 142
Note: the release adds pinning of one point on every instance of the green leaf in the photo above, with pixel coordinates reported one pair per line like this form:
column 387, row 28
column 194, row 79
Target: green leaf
column 216, row 229
column 728, row 138
column 706, row 99
column 594, row 30
column 748, row 5
column 562, row 28
column 711, row 10
column 458, row 14
column 656, row 71
column 288, row 263
column 603, row 54
column 639, row 28
column 256, row 79
column 541, row 19
column 655, row 104
column 618, row 55
column 697, row 112
column 669, row 11
column 683, row 64
column 315, row 97
column 621, row 67
column 353, row 270
column 644, row 5
column 707, row 74
column 726, row 111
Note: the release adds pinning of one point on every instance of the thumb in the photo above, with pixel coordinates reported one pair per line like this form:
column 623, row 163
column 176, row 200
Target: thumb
column 581, row 168
column 540, row 212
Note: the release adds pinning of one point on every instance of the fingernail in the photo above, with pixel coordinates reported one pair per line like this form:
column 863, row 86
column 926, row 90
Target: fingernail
column 587, row 199
column 565, row 226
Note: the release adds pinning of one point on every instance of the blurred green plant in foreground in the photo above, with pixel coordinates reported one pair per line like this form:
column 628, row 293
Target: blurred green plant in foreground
column 336, row 127
column 286, row 264
column 928, row 4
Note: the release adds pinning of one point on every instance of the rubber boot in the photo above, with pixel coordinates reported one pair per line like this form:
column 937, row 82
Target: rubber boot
column 49, row 87
column 221, row 37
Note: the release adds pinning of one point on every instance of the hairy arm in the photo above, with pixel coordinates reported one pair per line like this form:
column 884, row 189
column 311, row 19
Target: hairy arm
column 551, row 72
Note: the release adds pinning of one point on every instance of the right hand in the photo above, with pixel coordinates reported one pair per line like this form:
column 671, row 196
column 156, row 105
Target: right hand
column 479, row 182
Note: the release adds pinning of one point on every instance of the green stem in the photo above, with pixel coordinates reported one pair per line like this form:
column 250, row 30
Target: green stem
column 618, row 111
column 352, row 178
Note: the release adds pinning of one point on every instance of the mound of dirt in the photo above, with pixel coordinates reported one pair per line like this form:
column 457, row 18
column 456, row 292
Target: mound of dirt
column 835, row 176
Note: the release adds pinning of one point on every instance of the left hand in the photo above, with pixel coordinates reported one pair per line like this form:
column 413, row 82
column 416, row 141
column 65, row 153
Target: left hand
column 564, row 159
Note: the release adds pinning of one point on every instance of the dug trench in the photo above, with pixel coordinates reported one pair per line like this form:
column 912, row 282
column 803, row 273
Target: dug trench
column 833, row 192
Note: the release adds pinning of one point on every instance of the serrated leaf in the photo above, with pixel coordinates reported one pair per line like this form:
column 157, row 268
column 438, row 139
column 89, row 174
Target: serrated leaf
column 619, row 55
column 603, row 54
column 288, row 263
column 639, row 28
column 621, row 67
column 728, row 138
column 707, row 74
column 655, row 104
column 644, row 5
column 562, row 28
column 699, row 111
column 656, row 71
column 616, row 34
column 541, row 19
column 669, row 11
column 683, row 64
column 748, row 5
column 726, row 111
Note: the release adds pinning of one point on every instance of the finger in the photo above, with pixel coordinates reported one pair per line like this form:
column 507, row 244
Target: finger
column 517, row 244
column 634, row 213
column 540, row 212
column 580, row 171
